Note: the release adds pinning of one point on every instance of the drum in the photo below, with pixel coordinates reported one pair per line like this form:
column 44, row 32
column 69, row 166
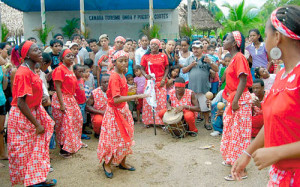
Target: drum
column 175, row 123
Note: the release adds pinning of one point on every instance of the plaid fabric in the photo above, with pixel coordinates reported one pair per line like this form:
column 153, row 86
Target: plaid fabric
column 237, row 129
column 68, row 125
column 161, row 99
column 111, row 143
column 28, row 153
column 278, row 177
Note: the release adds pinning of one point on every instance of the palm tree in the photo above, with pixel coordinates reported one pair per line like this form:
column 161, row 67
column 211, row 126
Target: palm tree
column 240, row 18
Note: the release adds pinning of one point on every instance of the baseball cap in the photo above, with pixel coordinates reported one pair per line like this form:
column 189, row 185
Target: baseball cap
column 72, row 44
column 197, row 44
column 103, row 36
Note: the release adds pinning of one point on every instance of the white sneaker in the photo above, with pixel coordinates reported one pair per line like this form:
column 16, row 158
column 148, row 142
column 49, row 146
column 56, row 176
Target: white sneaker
column 215, row 133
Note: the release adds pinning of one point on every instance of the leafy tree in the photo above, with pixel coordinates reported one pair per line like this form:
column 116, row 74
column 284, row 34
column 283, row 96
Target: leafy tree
column 150, row 32
column 5, row 32
column 241, row 18
column 71, row 27
column 43, row 33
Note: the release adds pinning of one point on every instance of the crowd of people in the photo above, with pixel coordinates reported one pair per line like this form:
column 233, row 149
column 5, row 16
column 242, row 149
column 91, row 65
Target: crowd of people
column 53, row 94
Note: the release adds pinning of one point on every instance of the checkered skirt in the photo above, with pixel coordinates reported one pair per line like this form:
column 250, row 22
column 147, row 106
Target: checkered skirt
column 28, row 153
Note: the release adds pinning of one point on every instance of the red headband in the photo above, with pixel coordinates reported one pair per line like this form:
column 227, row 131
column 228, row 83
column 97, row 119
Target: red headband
column 25, row 49
column 237, row 37
column 119, row 54
column 179, row 84
column 282, row 28
column 67, row 51
column 120, row 38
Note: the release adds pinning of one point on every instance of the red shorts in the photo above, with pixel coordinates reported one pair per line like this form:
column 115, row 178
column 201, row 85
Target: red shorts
column 139, row 106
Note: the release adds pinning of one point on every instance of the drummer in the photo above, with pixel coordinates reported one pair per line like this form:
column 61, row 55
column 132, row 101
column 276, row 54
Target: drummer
column 184, row 100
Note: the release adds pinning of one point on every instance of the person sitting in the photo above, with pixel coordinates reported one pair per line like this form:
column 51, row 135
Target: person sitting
column 257, row 114
column 96, row 105
column 184, row 100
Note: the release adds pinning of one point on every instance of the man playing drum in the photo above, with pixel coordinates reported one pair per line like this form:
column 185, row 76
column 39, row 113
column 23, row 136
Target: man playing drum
column 184, row 100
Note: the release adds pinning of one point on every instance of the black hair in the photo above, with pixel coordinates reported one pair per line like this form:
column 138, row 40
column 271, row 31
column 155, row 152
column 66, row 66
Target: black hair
column 136, row 67
column 228, row 55
column 211, row 47
column 58, row 34
column 256, row 72
column 31, row 38
column 20, row 47
column 46, row 58
column 89, row 62
column 75, row 35
column 185, row 39
column 259, row 81
column 179, row 80
column 55, row 41
column 134, row 41
column 289, row 16
column 205, row 39
column 92, row 40
column 76, row 66
column 260, row 39
column 163, row 41
column 85, row 67
column 2, row 45
column 9, row 51
column 224, row 37
column 242, row 47
column 129, row 76
column 37, row 65
column 128, row 40
column 172, row 68
column 105, row 75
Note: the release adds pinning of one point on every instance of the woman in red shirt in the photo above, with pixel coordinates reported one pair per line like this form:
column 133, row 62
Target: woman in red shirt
column 29, row 126
column 65, row 110
column 238, row 113
column 278, row 143
column 117, row 129
column 157, row 64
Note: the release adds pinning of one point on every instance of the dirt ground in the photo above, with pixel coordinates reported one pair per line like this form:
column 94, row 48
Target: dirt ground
column 159, row 161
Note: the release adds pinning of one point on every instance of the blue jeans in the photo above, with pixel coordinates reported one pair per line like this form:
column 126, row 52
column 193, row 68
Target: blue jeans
column 82, row 109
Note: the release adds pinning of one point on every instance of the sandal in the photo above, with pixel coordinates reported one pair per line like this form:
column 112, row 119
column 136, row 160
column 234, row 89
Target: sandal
column 208, row 127
column 229, row 178
column 48, row 182
column 129, row 169
column 85, row 137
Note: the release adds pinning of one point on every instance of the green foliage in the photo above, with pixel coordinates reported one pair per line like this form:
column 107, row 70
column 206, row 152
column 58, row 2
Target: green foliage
column 5, row 32
column 43, row 33
column 71, row 27
column 150, row 32
column 185, row 30
column 240, row 18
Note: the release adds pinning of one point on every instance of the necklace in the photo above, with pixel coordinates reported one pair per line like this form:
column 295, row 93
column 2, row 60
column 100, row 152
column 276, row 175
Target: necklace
column 28, row 67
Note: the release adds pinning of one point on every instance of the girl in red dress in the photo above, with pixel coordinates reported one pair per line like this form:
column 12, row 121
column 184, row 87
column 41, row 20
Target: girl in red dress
column 116, row 136
column 29, row 126
column 278, row 143
column 65, row 110
column 238, row 113
column 159, row 66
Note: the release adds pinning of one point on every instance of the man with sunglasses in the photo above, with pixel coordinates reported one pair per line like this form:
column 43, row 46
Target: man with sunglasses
column 199, row 66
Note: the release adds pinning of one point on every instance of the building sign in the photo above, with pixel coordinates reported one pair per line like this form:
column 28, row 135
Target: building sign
column 105, row 18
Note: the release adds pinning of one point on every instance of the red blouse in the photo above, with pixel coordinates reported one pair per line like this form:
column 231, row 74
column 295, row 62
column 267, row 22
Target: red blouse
column 281, row 114
column 27, row 83
column 79, row 92
column 158, row 63
column 237, row 66
column 67, row 77
column 117, row 86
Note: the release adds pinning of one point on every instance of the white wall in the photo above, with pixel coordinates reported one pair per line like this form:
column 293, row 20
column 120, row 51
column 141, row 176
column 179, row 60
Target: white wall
column 168, row 29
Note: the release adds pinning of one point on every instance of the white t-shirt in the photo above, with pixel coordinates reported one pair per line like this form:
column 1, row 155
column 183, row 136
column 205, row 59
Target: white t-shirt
column 269, row 81
column 139, row 53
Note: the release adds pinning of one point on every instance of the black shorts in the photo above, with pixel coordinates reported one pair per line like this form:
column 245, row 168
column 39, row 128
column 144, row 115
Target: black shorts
column 2, row 110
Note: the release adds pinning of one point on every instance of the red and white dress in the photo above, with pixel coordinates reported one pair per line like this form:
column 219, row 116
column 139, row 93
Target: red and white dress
column 282, row 125
column 117, row 129
column 100, row 103
column 158, row 64
column 68, row 125
column 28, row 153
column 237, row 125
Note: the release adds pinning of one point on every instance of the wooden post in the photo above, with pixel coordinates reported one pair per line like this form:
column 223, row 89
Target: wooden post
column 151, row 13
column 189, row 13
column 82, row 23
column 43, row 14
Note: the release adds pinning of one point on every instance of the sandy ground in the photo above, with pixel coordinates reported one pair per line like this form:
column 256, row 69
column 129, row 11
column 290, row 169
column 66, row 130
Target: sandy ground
column 159, row 161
